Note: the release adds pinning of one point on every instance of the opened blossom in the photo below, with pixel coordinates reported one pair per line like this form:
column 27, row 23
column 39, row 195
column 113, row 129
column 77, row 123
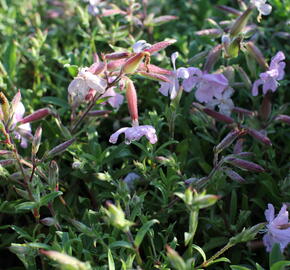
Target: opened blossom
column 224, row 102
column 140, row 46
column 171, row 88
column 278, row 228
column 270, row 78
column 135, row 133
column 85, row 81
column 207, row 85
column 264, row 9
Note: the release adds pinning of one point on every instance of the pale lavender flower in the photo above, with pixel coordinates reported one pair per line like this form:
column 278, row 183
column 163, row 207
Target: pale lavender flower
column 140, row 46
column 208, row 85
column 224, row 102
column 115, row 99
column 269, row 78
column 135, row 133
column 130, row 179
column 171, row 88
column 264, row 9
column 22, row 131
column 276, row 232
column 79, row 88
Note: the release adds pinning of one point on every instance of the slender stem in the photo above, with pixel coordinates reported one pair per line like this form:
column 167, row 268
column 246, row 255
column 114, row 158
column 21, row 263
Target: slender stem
column 138, row 257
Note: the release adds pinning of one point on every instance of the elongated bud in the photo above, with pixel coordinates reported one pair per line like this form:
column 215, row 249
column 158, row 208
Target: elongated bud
column 154, row 69
column 218, row 116
column 175, row 259
column 6, row 152
column 20, row 249
column 227, row 141
column 238, row 148
column 117, row 55
column 160, row 46
column 60, row 148
column 53, row 175
column 244, row 164
column 283, row 118
column 215, row 32
column 15, row 101
column 257, row 54
column 36, row 141
column 81, row 226
column 116, row 64
column 97, row 68
column 98, row 113
column 259, row 136
column 6, row 162
column 35, row 116
column 5, row 107
column 132, row 64
column 245, row 78
column 244, row 154
column 132, row 100
column 229, row 10
column 234, row 175
column 243, row 111
column 229, row 73
column 266, row 107
column 49, row 221
column 154, row 76
column 213, row 56
column 198, row 57
column 240, row 22
column 23, row 193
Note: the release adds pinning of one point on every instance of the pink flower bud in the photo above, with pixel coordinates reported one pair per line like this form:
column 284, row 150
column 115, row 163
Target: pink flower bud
column 98, row 113
column 116, row 64
column 218, row 116
column 227, row 141
column 60, row 148
column 257, row 54
column 284, row 118
column 238, row 148
column 233, row 175
column 132, row 100
column 5, row 152
column 36, row 141
column 154, row 69
column 97, row 68
column 212, row 57
column 154, row 76
column 133, row 63
column 6, row 162
column 243, row 111
column 209, row 32
column 160, row 46
column 49, row 221
column 244, row 164
column 229, row 10
column 266, row 107
column 259, row 136
column 37, row 115
column 163, row 19
column 117, row 55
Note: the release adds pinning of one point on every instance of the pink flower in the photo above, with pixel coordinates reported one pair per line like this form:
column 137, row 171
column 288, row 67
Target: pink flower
column 173, row 86
column 269, row 78
column 135, row 133
column 208, row 85
column 276, row 231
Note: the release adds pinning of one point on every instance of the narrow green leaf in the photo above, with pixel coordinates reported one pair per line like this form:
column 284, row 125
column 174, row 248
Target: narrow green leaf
column 111, row 260
column 144, row 229
column 280, row 265
column 49, row 197
column 201, row 252
column 275, row 255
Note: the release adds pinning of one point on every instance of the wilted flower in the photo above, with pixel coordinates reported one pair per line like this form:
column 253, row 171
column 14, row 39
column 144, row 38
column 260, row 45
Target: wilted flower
column 141, row 45
column 276, row 231
column 224, row 102
column 135, row 133
column 269, row 78
column 264, row 9
column 173, row 86
column 208, row 85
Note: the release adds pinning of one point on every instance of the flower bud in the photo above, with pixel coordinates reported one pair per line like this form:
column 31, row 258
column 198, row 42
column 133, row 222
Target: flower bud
column 244, row 164
column 212, row 57
column 154, row 69
column 257, row 54
column 284, row 118
column 133, row 63
column 53, row 174
column 229, row 10
column 117, row 55
column 154, row 76
column 132, row 100
column 259, row 136
column 23, row 193
column 218, row 116
column 6, row 162
column 5, row 107
column 115, row 65
column 97, row 68
column 229, row 73
column 175, row 259
column 233, row 175
column 209, row 32
column 227, row 141
column 5, row 152
column 245, row 78
column 240, row 22
column 160, row 46
column 243, row 111
column 266, row 107
column 238, row 148
column 198, row 57
column 98, row 113
column 82, row 227
column 163, row 19
column 49, row 221
column 20, row 249
column 35, row 116
column 60, row 148
column 36, row 141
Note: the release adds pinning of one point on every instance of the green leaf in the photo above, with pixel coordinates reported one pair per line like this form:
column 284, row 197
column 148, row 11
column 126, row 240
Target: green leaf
column 222, row 259
column 259, row 267
column 238, row 267
column 49, row 197
column 22, row 233
column 121, row 244
column 280, row 265
column 55, row 101
column 144, row 229
column 201, row 252
column 111, row 260
column 10, row 58
column 25, row 206
column 275, row 255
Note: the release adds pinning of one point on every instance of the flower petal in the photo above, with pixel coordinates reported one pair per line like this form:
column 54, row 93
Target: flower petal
column 256, row 84
column 114, row 137
column 265, row 9
column 269, row 213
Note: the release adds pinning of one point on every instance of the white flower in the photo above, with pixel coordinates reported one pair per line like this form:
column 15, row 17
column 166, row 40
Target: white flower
column 264, row 9
column 140, row 45
column 79, row 88
column 224, row 102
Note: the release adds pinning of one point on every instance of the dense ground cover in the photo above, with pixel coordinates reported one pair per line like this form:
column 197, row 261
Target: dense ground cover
column 199, row 89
